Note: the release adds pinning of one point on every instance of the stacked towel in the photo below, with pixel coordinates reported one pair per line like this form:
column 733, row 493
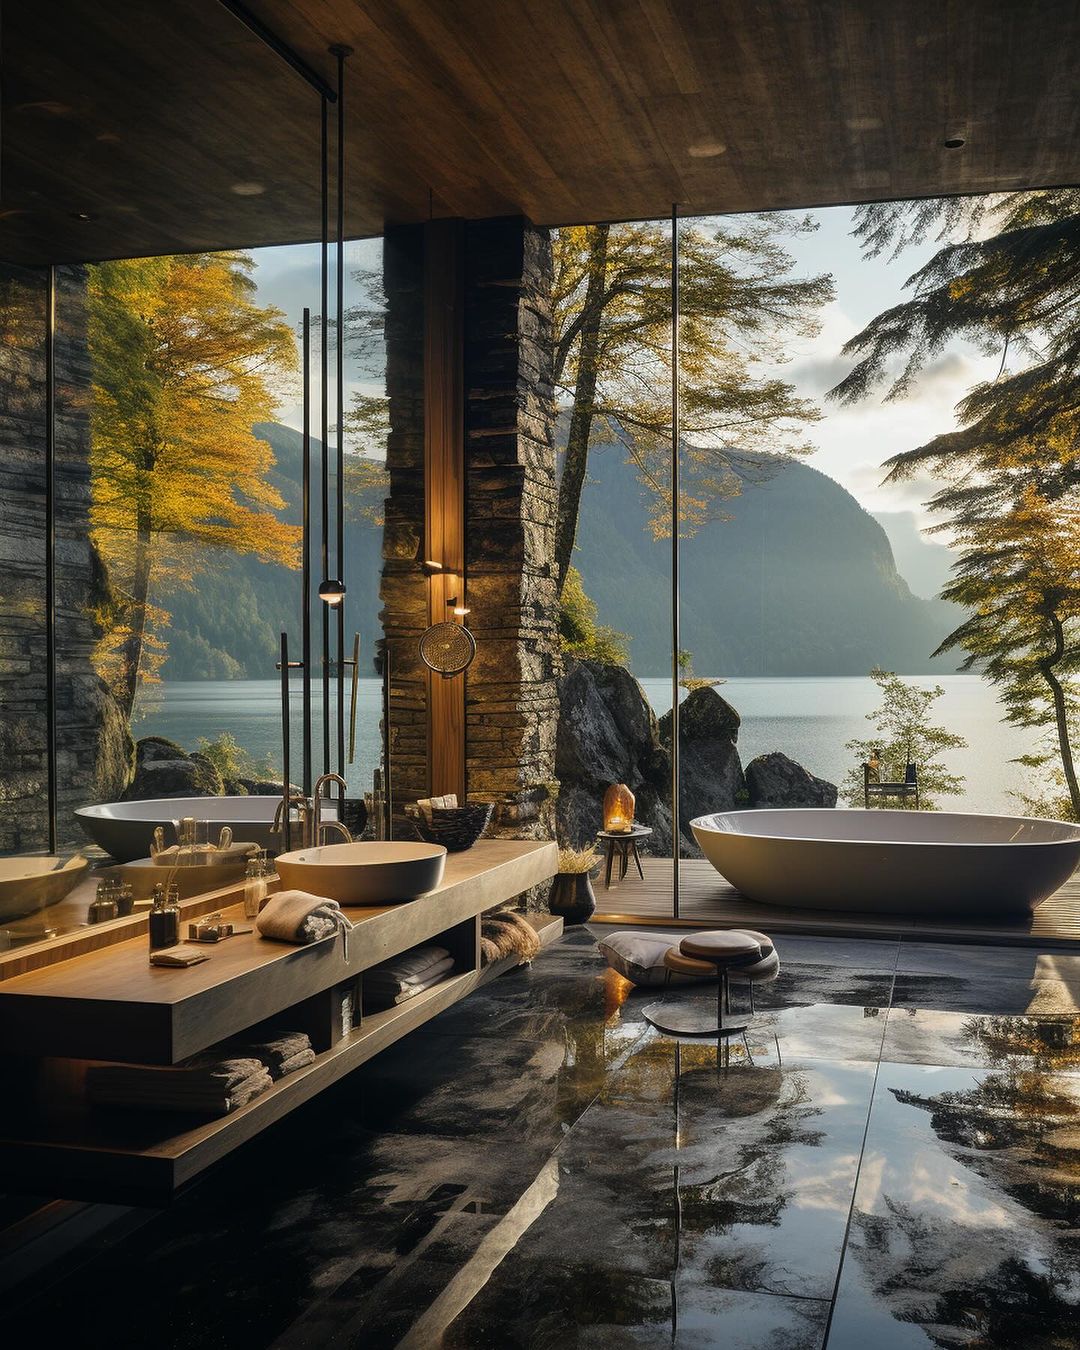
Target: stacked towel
column 405, row 976
column 281, row 1055
column 296, row 916
column 211, row 1087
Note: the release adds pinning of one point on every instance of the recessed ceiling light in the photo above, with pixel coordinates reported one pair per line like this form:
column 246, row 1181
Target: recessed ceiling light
column 248, row 189
column 705, row 149
column 82, row 215
column 954, row 142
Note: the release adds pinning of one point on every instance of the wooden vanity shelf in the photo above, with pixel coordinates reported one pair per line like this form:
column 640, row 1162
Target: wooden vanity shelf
column 112, row 1005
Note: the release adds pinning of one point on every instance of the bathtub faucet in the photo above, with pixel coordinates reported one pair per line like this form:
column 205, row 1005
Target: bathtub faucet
column 313, row 829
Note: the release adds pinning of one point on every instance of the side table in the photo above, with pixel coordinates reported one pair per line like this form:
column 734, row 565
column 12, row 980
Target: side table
column 624, row 847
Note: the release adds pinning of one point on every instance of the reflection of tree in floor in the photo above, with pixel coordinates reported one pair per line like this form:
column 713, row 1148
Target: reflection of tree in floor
column 999, row 1282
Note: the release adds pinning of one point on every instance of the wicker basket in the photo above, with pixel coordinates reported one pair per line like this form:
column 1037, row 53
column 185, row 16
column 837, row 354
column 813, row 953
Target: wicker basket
column 456, row 828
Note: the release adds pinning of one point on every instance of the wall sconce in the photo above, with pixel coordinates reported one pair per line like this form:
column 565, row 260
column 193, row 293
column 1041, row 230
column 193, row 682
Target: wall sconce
column 332, row 592
column 618, row 809
column 432, row 569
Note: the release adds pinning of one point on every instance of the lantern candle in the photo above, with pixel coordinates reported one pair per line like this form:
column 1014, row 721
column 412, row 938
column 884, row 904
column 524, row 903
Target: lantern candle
column 618, row 809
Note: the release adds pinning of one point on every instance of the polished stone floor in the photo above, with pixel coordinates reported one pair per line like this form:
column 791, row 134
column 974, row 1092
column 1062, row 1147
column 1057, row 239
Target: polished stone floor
column 893, row 1160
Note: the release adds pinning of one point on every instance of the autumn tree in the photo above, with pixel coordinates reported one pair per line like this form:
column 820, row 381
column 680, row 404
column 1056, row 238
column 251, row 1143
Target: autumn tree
column 740, row 306
column 1007, row 280
column 184, row 363
column 906, row 733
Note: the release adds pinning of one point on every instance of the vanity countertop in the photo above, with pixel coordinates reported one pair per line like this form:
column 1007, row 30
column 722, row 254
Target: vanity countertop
column 113, row 1004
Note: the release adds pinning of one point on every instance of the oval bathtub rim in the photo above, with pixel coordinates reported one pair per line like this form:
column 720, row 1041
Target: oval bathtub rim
column 702, row 823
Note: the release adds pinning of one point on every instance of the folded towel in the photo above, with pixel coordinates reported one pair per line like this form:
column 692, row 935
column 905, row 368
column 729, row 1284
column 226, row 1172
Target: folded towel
column 207, row 1087
column 409, row 965
column 296, row 916
column 276, row 1053
column 390, row 994
column 391, row 984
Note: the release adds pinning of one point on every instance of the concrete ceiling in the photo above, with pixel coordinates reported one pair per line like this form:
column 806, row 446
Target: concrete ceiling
column 166, row 125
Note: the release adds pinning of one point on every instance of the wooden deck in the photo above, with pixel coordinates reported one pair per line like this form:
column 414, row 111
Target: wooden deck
column 706, row 898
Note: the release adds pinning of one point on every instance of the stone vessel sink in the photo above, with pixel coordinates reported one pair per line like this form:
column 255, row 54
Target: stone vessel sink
column 375, row 873
column 28, row 885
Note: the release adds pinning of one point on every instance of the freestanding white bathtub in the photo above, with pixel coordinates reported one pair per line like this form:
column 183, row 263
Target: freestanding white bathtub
column 903, row 862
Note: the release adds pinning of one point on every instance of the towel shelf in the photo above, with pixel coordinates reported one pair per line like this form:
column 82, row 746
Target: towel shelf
column 58, row 1146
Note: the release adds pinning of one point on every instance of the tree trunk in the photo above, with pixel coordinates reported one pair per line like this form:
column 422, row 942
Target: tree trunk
column 1061, row 718
column 132, row 648
column 581, row 416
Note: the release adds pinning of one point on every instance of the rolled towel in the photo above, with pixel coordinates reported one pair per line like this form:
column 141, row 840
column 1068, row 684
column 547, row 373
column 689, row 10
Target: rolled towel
column 298, row 1061
column 296, row 916
column 275, row 1053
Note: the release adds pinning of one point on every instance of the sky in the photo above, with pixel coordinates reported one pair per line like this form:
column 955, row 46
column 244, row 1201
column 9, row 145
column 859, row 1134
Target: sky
column 852, row 442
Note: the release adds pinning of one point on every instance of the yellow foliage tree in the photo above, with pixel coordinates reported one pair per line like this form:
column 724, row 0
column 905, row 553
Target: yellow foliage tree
column 184, row 363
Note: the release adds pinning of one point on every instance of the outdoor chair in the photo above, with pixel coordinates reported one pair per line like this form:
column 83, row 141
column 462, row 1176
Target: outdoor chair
column 908, row 788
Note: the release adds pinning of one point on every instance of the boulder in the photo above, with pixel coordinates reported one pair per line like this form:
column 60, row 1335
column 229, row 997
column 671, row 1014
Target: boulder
column 776, row 780
column 605, row 725
column 164, row 769
column 608, row 734
column 710, row 771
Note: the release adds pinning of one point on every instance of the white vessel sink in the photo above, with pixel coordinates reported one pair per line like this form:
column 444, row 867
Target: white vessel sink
column 376, row 873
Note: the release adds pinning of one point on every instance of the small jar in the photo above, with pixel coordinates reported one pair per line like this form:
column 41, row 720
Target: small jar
column 103, row 906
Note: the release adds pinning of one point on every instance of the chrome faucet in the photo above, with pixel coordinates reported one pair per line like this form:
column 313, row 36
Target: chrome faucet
column 320, row 826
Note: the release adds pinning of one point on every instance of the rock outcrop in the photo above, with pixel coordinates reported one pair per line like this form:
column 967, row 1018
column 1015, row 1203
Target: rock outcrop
column 710, row 771
column 163, row 769
column 608, row 733
column 775, row 780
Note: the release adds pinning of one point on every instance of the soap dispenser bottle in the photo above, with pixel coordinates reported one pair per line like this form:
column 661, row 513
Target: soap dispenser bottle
column 164, row 918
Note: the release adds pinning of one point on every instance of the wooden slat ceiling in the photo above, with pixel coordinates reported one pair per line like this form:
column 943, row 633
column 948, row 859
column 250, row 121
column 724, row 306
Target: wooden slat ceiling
column 155, row 118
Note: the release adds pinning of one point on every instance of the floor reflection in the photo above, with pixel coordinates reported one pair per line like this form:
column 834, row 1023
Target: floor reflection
column 889, row 1160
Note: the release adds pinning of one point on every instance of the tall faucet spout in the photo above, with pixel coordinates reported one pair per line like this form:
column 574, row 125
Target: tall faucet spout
column 318, row 825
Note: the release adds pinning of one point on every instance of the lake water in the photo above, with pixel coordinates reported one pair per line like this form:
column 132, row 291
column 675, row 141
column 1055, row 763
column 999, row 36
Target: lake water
column 808, row 719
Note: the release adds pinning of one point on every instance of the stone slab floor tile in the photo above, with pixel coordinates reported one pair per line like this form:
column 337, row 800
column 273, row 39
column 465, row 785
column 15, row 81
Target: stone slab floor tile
column 987, row 993
column 766, row 1168
column 1049, row 1041
column 971, row 960
column 963, row 1230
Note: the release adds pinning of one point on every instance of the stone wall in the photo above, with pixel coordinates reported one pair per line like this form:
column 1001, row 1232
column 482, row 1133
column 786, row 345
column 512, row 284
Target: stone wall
column 511, row 703
column 23, row 749
column 511, row 699
column 93, row 743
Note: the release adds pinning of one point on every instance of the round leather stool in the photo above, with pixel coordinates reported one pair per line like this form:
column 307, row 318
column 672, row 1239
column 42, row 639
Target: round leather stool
column 719, row 953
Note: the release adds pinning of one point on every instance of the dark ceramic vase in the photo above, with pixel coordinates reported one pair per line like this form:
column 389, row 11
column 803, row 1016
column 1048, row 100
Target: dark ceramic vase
column 572, row 897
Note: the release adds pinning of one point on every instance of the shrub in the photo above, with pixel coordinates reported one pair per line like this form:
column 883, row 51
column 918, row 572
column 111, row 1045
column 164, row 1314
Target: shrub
column 579, row 633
